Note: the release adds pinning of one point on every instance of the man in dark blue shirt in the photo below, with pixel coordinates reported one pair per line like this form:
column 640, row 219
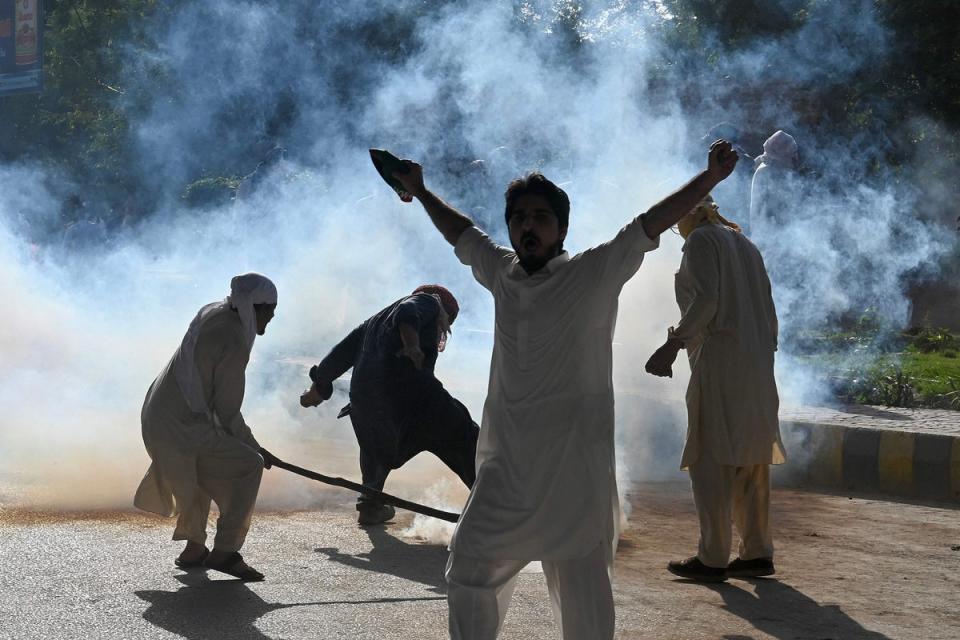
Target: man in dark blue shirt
column 397, row 405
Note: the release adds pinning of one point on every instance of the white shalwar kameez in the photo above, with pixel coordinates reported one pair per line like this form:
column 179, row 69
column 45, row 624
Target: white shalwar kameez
column 198, row 442
column 546, row 480
column 729, row 328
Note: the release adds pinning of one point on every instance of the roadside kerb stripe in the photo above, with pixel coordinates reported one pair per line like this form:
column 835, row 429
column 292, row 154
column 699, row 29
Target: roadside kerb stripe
column 931, row 465
column 891, row 462
column 861, row 449
column 895, row 462
column 955, row 469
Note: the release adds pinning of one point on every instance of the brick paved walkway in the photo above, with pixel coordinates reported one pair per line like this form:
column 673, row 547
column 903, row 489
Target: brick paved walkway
column 932, row 421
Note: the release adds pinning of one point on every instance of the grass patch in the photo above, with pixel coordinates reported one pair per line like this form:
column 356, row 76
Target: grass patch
column 919, row 368
column 935, row 376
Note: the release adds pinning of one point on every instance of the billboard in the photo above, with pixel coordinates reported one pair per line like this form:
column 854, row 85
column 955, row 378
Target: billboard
column 21, row 46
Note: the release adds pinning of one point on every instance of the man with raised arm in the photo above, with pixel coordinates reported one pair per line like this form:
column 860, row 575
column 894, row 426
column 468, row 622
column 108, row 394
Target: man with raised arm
column 546, row 483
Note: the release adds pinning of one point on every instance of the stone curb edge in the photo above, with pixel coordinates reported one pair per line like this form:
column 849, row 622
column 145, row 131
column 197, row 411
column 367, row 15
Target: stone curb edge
column 862, row 459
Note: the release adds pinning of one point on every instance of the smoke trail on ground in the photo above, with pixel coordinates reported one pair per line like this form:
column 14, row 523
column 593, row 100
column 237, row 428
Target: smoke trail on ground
column 478, row 93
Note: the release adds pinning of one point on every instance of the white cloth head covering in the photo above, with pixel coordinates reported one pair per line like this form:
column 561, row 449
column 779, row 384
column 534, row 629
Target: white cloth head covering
column 246, row 290
column 780, row 149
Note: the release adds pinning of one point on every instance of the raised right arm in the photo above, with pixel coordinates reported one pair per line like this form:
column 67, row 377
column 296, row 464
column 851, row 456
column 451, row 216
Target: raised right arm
column 448, row 221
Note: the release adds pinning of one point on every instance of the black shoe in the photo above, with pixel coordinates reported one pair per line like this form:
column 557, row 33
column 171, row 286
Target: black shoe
column 755, row 568
column 693, row 569
column 374, row 513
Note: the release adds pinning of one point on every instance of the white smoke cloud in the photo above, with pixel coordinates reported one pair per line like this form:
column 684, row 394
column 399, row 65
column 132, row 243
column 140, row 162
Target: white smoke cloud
column 514, row 86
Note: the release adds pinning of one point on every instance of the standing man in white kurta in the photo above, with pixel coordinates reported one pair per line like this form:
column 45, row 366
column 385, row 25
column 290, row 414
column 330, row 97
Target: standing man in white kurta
column 546, row 483
column 199, row 444
column 728, row 326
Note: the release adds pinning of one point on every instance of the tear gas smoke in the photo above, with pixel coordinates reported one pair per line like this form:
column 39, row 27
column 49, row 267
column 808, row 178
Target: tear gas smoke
column 478, row 94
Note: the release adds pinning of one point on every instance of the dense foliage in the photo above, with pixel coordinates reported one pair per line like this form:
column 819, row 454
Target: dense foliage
column 80, row 122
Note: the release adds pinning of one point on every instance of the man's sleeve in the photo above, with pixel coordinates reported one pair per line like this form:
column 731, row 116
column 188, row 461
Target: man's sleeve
column 416, row 310
column 229, row 383
column 476, row 250
column 621, row 257
column 340, row 358
column 703, row 266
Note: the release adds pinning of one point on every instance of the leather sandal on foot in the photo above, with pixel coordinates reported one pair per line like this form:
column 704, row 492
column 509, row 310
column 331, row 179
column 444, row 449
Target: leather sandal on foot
column 235, row 566
column 192, row 564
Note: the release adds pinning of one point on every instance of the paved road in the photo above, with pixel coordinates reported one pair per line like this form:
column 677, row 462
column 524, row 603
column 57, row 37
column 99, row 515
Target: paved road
column 849, row 568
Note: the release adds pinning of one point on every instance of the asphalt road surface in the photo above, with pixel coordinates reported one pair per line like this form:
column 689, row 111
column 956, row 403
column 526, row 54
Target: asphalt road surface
column 847, row 569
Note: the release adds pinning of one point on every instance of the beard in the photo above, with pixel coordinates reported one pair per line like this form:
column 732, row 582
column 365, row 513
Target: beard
column 533, row 263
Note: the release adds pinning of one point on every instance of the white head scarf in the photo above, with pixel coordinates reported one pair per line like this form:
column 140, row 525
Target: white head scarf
column 245, row 291
column 780, row 149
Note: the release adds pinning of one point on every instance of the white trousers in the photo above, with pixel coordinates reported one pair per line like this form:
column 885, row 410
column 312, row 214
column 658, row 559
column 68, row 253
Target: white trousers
column 229, row 474
column 479, row 592
column 725, row 494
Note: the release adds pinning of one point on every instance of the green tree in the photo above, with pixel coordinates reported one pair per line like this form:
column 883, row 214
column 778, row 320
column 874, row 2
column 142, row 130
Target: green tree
column 79, row 121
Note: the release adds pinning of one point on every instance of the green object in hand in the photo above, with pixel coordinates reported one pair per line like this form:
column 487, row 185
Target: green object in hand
column 388, row 164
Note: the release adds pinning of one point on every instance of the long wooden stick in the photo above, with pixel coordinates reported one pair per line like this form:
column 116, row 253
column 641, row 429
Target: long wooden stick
column 386, row 498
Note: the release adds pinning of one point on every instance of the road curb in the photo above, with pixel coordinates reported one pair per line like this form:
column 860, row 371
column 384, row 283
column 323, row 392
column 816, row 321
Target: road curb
column 861, row 459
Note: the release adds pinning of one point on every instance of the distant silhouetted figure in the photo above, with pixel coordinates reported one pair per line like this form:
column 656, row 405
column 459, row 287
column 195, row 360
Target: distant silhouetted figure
column 776, row 200
column 774, row 185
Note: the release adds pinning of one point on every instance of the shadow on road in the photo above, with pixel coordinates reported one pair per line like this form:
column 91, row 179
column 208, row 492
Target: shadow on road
column 204, row 608
column 421, row 563
column 783, row 612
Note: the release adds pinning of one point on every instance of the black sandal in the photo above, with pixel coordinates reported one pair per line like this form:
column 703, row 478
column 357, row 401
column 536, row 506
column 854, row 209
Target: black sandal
column 232, row 566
